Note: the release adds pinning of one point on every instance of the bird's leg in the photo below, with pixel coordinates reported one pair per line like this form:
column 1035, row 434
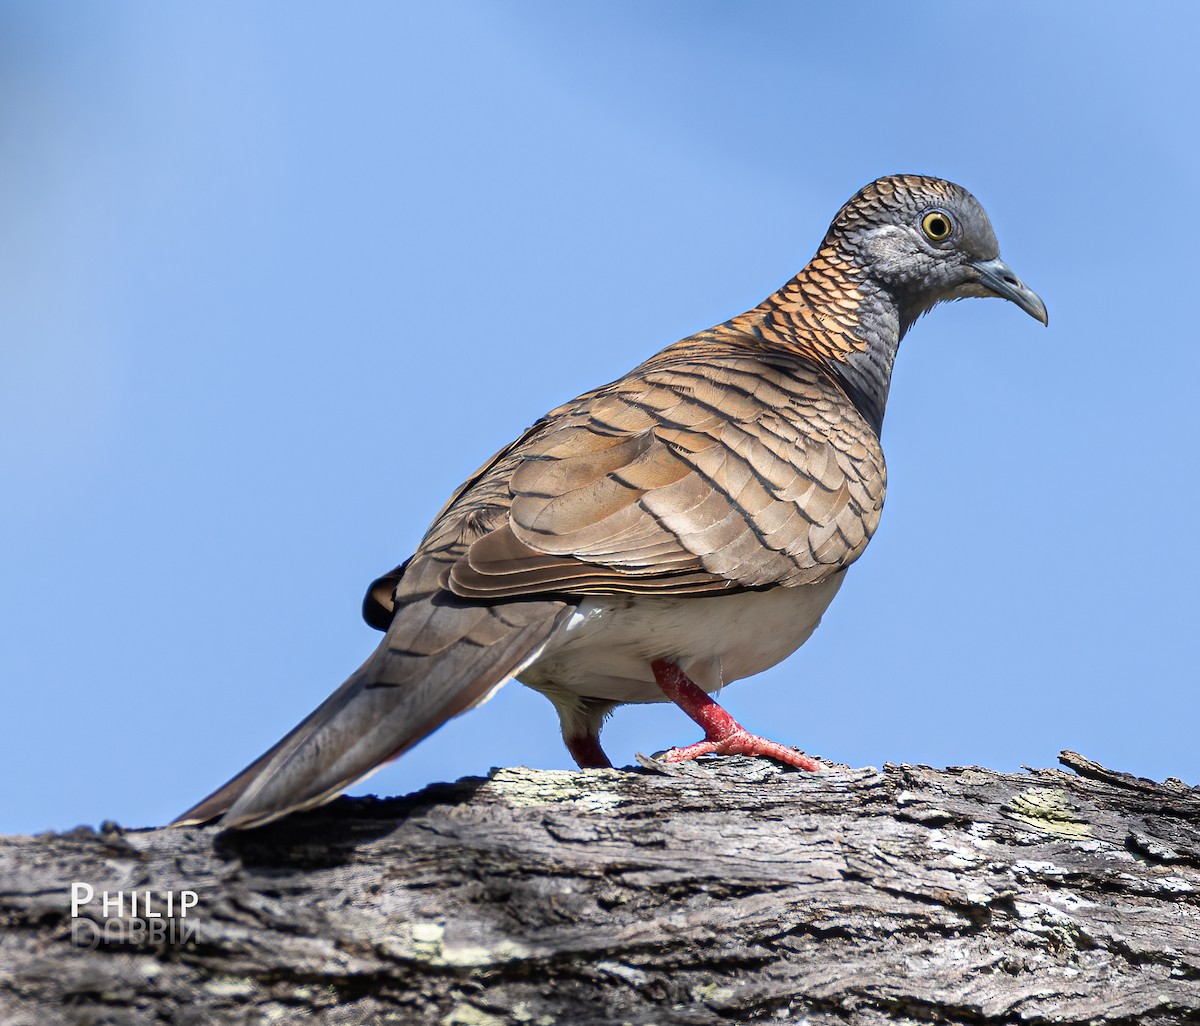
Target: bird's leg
column 586, row 751
column 581, row 720
column 723, row 735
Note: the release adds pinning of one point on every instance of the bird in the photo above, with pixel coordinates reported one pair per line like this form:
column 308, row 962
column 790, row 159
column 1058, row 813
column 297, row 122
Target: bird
column 656, row 538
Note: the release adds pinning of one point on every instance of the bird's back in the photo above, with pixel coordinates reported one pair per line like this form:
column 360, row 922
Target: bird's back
column 725, row 461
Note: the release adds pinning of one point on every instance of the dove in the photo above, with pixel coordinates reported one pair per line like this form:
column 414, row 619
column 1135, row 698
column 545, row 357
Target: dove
column 661, row 536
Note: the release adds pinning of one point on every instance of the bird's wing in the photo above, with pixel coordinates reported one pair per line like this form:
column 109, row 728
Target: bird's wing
column 442, row 655
column 696, row 473
column 699, row 472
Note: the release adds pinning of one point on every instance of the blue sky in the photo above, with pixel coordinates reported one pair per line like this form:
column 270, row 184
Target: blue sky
column 274, row 279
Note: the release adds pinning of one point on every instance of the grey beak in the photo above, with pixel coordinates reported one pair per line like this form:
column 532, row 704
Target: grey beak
column 997, row 277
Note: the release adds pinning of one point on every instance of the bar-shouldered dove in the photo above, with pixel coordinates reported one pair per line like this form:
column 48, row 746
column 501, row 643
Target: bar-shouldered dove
column 663, row 535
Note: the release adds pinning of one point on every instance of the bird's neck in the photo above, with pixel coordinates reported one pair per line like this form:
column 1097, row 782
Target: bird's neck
column 833, row 313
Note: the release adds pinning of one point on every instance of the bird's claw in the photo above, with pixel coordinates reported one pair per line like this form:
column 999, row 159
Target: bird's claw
column 740, row 741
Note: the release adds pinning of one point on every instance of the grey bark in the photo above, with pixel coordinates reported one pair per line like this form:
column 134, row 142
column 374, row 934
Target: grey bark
column 727, row 891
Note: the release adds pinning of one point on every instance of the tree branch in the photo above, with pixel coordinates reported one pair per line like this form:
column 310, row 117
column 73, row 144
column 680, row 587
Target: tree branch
column 714, row 892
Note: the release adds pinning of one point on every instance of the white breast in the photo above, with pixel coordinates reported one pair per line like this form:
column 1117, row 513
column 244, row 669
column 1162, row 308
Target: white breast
column 606, row 649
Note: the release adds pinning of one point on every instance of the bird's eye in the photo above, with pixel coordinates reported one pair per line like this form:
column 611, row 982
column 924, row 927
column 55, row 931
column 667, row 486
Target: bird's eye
column 936, row 226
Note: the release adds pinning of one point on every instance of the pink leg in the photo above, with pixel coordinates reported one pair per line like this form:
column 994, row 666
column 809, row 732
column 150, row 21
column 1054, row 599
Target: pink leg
column 723, row 735
column 587, row 753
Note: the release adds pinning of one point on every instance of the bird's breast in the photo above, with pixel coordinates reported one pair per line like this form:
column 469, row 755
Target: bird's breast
column 606, row 648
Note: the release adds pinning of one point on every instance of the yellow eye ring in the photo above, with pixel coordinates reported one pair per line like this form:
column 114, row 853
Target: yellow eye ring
column 937, row 226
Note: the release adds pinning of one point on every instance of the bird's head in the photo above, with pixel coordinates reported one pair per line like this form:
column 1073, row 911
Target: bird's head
column 925, row 240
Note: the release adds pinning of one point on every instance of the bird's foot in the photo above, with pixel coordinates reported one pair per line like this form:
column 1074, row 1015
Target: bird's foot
column 723, row 735
column 586, row 751
column 741, row 742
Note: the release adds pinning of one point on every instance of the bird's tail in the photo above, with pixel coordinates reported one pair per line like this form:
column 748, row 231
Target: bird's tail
column 423, row 674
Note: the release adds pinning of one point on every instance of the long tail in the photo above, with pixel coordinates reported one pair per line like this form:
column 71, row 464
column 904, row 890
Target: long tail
column 440, row 658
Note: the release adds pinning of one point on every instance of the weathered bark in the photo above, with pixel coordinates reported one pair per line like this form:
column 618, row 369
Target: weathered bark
column 719, row 892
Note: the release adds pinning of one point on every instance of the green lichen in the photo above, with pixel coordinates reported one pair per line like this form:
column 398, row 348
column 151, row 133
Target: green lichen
column 427, row 941
column 1051, row 810
column 592, row 791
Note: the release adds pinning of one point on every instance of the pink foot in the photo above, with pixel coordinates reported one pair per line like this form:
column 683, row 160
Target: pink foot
column 723, row 735
column 587, row 753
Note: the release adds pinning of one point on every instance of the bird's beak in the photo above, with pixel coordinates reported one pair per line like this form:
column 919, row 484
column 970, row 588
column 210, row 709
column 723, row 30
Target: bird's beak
column 997, row 277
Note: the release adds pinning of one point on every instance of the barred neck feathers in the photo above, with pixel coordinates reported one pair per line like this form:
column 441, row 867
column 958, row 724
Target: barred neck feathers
column 899, row 246
column 834, row 314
